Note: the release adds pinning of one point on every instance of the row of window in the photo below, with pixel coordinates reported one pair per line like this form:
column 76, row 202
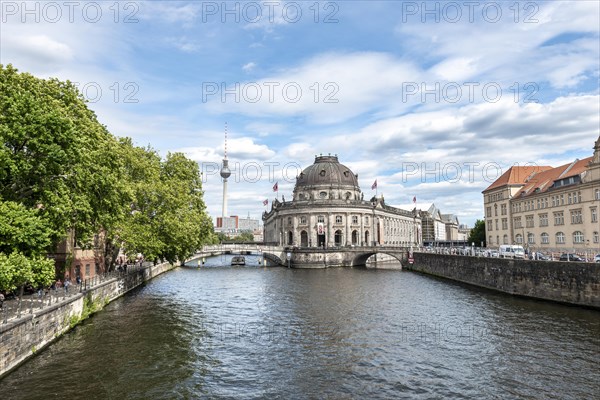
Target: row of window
column 559, row 238
column 321, row 219
column 303, row 220
column 555, row 201
column 530, row 205
column 503, row 210
column 558, row 216
column 495, row 197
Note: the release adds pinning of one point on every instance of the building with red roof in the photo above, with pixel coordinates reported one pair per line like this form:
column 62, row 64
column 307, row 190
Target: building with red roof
column 546, row 208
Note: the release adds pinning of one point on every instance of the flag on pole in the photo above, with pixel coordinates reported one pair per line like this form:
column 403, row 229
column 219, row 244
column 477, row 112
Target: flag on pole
column 266, row 202
column 415, row 199
column 374, row 185
column 276, row 187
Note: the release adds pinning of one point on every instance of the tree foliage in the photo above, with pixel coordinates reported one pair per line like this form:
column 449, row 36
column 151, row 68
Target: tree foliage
column 18, row 270
column 477, row 234
column 62, row 172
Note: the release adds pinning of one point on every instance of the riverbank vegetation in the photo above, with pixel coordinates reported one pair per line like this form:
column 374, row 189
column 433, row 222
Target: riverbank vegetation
column 63, row 173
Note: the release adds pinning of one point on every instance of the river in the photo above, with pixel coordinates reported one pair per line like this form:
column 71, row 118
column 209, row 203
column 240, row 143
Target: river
column 344, row 333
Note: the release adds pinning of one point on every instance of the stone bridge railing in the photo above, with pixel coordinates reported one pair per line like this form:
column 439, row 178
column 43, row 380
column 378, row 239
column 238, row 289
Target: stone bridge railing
column 309, row 257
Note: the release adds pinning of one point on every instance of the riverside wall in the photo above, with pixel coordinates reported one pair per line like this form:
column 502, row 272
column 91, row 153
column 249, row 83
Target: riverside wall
column 22, row 338
column 573, row 283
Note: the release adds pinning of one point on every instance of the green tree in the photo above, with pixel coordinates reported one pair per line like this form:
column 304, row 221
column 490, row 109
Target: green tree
column 136, row 232
column 477, row 234
column 23, row 230
column 167, row 216
column 62, row 174
column 56, row 156
column 24, row 240
column 183, row 224
column 18, row 270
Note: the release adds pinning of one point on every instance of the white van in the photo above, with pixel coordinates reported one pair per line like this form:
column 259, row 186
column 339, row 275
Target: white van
column 511, row 251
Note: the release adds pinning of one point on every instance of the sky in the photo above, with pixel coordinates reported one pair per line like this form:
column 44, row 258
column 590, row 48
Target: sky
column 434, row 100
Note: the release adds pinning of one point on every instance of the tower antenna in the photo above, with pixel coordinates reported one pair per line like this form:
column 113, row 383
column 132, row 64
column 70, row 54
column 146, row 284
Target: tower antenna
column 225, row 173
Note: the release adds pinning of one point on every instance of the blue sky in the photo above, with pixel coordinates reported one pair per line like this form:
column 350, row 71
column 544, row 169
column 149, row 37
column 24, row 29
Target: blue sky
column 432, row 99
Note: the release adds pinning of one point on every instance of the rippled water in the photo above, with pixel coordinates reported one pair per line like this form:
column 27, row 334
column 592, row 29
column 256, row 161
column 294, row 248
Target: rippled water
column 255, row 332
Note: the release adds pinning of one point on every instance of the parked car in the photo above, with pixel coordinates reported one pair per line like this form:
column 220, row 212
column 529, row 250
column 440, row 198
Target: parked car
column 511, row 251
column 570, row 257
column 597, row 258
column 542, row 257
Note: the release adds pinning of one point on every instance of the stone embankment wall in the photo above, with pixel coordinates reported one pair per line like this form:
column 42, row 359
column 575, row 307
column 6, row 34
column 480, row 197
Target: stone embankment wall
column 23, row 337
column 566, row 282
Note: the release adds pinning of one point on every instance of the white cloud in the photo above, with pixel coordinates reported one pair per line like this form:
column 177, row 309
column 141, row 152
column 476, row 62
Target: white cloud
column 41, row 48
column 248, row 67
column 263, row 129
column 328, row 88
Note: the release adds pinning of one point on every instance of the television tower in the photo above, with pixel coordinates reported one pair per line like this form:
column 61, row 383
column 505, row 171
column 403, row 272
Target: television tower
column 225, row 173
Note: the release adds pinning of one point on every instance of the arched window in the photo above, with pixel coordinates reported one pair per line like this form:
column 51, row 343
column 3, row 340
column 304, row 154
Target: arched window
column 338, row 238
column 545, row 238
column 367, row 238
column 560, row 238
column 355, row 237
column 505, row 239
column 530, row 238
column 303, row 239
column 519, row 238
column 490, row 241
column 290, row 238
column 577, row 237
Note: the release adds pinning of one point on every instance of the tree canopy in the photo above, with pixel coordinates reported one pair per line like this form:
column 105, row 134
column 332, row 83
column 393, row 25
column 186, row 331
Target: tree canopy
column 62, row 172
column 477, row 234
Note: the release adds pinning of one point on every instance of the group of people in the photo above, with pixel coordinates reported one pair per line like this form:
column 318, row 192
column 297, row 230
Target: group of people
column 66, row 284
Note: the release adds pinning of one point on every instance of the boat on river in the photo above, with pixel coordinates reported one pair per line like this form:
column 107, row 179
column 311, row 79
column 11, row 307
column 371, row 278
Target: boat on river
column 238, row 260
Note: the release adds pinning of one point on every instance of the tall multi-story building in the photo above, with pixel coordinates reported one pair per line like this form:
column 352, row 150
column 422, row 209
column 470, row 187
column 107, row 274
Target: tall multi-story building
column 545, row 208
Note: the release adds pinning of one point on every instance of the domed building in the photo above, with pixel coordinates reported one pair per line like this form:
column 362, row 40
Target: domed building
column 328, row 210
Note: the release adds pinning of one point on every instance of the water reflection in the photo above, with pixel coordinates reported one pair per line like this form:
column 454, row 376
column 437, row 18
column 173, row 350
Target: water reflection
column 255, row 332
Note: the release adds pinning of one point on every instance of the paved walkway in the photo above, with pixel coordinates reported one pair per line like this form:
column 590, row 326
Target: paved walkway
column 13, row 309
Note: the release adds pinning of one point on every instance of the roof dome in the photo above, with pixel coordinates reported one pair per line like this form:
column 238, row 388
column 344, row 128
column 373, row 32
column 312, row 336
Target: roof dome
column 327, row 171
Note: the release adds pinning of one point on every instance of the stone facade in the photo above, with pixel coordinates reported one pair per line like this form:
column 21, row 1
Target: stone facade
column 573, row 283
column 545, row 208
column 328, row 210
column 23, row 338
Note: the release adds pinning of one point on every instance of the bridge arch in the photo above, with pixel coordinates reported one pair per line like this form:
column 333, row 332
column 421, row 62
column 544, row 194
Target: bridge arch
column 360, row 260
column 273, row 258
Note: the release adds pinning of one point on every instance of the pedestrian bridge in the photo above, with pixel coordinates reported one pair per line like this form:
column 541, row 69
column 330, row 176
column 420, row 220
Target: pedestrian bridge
column 309, row 257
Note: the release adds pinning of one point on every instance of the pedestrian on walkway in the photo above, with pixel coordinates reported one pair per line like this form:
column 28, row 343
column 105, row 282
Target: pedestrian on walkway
column 1, row 301
column 67, row 284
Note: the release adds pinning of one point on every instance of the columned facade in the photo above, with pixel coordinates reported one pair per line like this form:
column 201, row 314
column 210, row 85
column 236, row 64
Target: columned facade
column 327, row 199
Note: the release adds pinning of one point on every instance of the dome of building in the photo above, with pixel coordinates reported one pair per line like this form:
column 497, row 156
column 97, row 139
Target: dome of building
column 326, row 179
column 327, row 171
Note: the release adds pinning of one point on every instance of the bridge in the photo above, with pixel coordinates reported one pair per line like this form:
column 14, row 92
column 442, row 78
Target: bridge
column 309, row 257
